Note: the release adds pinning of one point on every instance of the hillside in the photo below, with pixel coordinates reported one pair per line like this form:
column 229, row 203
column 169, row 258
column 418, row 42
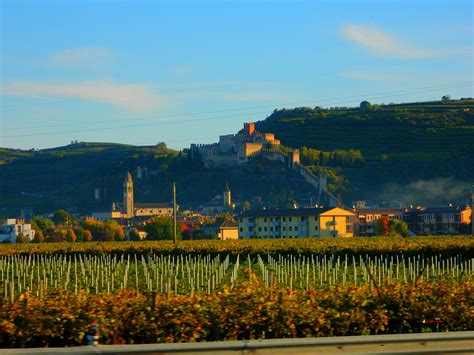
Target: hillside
column 413, row 153
column 66, row 177
column 428, row 143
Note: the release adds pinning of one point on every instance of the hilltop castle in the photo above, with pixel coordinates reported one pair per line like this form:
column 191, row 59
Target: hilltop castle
column 234, row 149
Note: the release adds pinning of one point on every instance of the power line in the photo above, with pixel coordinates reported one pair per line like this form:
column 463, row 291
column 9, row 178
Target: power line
column 410, row 92
column 239, row 83
column 445, row 86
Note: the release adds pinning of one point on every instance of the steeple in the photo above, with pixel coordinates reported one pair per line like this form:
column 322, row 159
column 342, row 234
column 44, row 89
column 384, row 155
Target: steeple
column 128, row 210
column 227, row 197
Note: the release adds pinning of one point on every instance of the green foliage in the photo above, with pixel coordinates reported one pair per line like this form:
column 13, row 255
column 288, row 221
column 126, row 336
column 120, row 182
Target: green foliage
column 134, row 234
column 365, row 106
column 62, row 217
column 41, row 223
column 395, row 228
column 161, row 228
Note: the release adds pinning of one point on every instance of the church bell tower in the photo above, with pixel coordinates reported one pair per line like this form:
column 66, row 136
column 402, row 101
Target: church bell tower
column 128, row 196
column 227, row 197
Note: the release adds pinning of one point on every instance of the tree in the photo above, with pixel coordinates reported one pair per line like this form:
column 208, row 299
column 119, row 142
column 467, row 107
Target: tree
column 39, row 236
column 365, row 106
column 119, row 234
column 21, row 238
column 134, row 234
column 41, row 223
column 161, row 228
column 62, row 217
column 87, row 236
column 246, row 206
column 446, row 99
column 391, row 227
column 71, row 236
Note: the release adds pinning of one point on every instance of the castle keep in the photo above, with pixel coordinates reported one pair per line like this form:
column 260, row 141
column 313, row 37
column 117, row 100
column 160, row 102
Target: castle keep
column 234, row 149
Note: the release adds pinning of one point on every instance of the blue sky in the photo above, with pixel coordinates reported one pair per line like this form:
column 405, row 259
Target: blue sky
column 142, row 72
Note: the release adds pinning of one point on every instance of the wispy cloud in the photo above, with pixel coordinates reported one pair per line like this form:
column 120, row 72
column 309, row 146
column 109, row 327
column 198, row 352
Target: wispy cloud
column 372, row 76
column 382, row 44
column 134, row 97
column 87, row 58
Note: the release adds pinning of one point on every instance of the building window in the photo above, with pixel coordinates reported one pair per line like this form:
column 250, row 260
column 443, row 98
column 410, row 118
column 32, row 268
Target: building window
column 271, row 229
column 303, row 218
column 316, row 228
column 290, row 228
column 241, row 220
column 264, row 229
column 271, row 219
column 289, row 219
column 284, row 219
column 264, row 219
column 241, row 229
column 296, row 228
column 315, row 218
column 284, row 228
column 259, row 229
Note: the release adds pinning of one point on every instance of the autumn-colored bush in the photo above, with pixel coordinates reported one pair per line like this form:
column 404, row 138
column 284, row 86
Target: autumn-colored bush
column 358, row 246
column 248, row 311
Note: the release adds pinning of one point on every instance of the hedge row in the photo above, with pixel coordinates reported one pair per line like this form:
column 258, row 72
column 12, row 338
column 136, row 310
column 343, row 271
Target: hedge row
column 428, row 246
column 249, row 311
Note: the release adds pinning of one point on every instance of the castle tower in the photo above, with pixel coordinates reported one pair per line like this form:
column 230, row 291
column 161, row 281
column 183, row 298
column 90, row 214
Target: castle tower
column 227, row 197
column 249, row 129
column 293, row 158
column 128, row 196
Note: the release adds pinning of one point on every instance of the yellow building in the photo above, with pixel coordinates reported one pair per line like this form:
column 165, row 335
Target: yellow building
column 297, row 223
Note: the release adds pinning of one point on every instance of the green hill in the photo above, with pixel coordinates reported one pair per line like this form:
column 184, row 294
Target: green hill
column 418, row 152
column 401, row 144
column 66, row 177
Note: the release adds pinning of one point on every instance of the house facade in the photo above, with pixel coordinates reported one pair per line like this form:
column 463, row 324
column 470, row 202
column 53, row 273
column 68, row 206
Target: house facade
column 12, row 227
column 296, row 223
column 420, row 220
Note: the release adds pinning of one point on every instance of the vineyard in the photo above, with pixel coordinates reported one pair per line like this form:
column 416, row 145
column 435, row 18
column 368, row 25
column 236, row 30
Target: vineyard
column 51, row 300
column 138, row 294
column 187, row 275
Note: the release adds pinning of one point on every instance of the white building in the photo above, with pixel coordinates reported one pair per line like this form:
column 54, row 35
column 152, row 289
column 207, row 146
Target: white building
column 12, row 227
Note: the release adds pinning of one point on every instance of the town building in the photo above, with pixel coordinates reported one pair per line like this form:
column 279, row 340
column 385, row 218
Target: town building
column 420, row 220
column 226, row 230
column 128, row 209
column 439, row 220
column 296, row 223
column 219, row 204
column 368, row 217
column 11, row 228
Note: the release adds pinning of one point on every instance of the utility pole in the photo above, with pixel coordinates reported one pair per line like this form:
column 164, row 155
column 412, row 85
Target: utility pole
column 174, row 213
column 472, row 209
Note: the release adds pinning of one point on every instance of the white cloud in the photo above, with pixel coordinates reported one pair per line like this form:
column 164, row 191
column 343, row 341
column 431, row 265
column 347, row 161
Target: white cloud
column 135, row 97
column 381, row 43
column 87, row 58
